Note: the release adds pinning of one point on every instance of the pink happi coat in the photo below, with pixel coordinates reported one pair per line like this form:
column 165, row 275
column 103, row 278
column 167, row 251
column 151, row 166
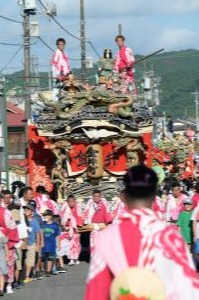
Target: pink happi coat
column 60, row 63
column 72, row 218
column 143, row 240
column 43, row 203
column 118, row 210
column 173, row 209
column 9, row 229
column 124, row 59
column 159, row 205
column 96, row 213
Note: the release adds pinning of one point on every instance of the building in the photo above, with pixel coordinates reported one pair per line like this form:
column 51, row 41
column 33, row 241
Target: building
column 16, row 142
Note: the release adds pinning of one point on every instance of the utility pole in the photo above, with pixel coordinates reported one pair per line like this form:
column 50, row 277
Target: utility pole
column 119, row 29
column 4, row 166
column 83, row 41
column 196, row 94
column 26, row 27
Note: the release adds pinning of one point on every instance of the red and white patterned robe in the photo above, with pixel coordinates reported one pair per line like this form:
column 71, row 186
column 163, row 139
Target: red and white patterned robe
column 96, row 213
column 158, row 205
column 173, row 208
column 118, row 210
column 72, row 217
column 142, row 239
column 43, row 203
column 9, row 229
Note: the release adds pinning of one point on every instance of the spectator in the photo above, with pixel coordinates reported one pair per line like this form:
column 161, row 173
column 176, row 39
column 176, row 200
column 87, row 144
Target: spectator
column 7, row 198
column 3, row 261
column 174, row 203
column 195, row 197
column 38, row 259
column 51, row 233
column 195, row 219
column 170, row 127
column 32, row 241
column 27, row 195
column 185, row 223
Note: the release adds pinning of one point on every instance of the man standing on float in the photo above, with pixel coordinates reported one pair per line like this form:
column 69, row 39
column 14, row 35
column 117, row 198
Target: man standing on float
column 60, row 65
column 124, row 62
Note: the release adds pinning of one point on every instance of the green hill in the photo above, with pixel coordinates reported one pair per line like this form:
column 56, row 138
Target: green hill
column 179, row 72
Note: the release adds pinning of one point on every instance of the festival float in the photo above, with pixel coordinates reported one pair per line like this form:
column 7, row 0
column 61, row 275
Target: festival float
column 89, row 137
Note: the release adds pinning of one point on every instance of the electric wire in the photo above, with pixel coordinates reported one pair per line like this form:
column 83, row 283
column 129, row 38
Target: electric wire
column 11, row 59
column 11, row 20
column 9, row 44
column 68, row 32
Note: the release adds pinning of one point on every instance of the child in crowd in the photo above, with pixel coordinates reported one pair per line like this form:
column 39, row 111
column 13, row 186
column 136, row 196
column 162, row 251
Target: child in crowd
column 3, row 261
column 51, row 232
column 33, row 240
column 185, row 222
column 59, row 263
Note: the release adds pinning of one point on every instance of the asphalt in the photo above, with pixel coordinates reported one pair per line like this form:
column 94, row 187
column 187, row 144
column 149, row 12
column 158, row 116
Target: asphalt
column 68, row 286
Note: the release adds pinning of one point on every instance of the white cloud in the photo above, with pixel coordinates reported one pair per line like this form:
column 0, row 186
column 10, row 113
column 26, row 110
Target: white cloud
column 177, row 38
column 147, row 25
column 117, row 8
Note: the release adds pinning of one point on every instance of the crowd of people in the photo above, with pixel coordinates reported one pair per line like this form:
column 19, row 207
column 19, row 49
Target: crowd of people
column 38, row 236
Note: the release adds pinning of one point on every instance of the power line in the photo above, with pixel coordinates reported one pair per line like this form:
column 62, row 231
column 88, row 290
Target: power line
column 94, row 49
column 11, row 59
column 11, row 20
column 57, row 22
column 45, row 44
column 9, row 44
column 68, row 32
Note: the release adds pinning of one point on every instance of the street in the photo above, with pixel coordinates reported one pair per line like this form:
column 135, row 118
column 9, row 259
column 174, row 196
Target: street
column 69, row 286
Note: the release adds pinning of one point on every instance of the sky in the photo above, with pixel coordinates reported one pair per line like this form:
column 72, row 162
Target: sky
column 148, row 25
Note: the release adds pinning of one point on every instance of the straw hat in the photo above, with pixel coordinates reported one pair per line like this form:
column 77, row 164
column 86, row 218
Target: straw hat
column 137, row 284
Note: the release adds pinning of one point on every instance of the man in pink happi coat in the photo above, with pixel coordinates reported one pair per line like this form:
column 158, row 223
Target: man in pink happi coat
column 141, row 239
column 71, row 216
column 174, row 204
column 124, row 62
column 96, row 212
column 44, row 202
column 9, row 229
column 60, row 64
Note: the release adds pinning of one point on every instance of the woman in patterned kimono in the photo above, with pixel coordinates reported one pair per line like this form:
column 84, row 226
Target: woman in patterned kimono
column 141, row 239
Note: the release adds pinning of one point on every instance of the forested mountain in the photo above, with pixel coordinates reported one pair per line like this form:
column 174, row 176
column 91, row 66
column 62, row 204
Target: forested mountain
column 179, row 72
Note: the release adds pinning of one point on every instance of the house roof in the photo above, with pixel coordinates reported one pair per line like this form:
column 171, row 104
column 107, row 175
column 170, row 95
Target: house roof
column 15, row 115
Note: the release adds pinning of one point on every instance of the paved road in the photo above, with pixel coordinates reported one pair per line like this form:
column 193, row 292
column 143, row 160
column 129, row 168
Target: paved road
column 69, row 286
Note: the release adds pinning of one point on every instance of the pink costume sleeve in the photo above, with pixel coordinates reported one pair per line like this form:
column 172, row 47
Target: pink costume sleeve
column 129, row 57
column 10, row 230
